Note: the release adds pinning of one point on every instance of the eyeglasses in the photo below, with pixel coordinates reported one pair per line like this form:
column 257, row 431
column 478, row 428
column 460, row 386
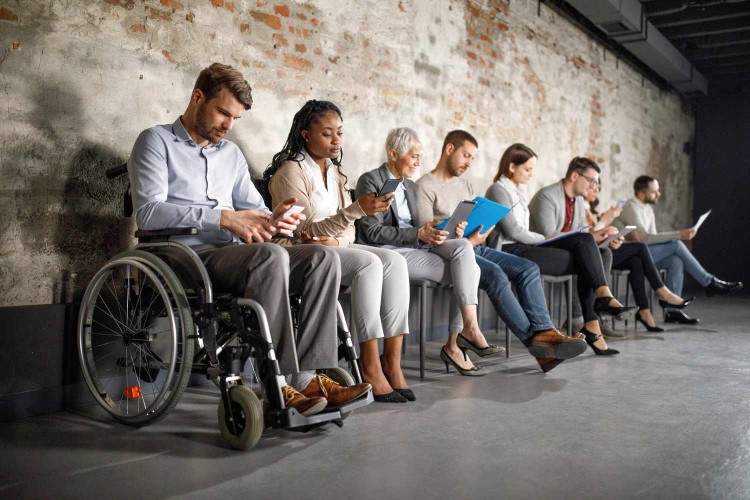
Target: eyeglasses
column 592, row 181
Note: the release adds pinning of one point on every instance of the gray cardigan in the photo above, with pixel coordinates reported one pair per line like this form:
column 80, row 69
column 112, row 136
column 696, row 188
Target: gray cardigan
column 547, row 209
column 382, row 228
column 508, row 229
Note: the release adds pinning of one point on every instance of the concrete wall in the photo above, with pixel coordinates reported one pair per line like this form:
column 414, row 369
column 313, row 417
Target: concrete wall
column 80, row 79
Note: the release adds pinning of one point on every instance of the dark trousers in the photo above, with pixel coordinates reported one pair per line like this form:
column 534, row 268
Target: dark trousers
column 576, row 254
column 268, row 273
column 636, row 258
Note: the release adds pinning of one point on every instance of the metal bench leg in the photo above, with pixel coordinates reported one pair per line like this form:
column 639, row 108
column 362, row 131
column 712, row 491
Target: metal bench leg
column 422, row 326
column 570, row 307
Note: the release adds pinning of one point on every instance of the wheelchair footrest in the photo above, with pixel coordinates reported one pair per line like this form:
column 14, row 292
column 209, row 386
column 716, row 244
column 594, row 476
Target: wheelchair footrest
column 360, row 402
column 290, row 419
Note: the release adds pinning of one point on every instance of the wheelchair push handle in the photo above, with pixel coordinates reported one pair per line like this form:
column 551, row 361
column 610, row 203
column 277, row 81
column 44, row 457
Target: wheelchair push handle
column 117, row 171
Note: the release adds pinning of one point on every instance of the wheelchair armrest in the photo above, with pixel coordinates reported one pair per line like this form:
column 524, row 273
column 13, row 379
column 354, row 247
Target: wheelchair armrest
column 164, row 234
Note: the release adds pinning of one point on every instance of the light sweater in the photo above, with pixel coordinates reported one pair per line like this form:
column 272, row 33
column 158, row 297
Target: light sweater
column 438, row 199
column 639, row 214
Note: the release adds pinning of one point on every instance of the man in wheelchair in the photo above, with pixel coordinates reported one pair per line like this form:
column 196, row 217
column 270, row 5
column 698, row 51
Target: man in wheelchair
column 186, row 174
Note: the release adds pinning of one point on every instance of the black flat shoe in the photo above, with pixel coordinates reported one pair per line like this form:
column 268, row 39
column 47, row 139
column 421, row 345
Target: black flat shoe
column 654, row 329
column 391, row 397
column 407, row 393
column 679, row 317
column 467, row 345
column 601, row 306
column 664, row 304
column 592, row 337
column 471, row 372
column 721, row 287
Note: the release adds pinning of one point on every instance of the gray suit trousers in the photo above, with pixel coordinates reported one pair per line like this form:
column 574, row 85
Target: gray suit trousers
column 268, row 273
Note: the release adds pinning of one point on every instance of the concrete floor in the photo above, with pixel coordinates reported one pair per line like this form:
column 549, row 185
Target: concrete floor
column 667, row 418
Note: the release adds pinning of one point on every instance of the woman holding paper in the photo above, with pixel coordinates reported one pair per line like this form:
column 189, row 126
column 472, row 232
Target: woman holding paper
column 309, row 165
column 635, row 257
column 576, row 253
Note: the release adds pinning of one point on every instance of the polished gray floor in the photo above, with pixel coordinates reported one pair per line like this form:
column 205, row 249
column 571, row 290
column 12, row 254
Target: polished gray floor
column 667, row 418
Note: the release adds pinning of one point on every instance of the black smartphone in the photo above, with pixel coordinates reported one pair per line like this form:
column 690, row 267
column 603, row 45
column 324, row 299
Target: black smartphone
column 390, row 186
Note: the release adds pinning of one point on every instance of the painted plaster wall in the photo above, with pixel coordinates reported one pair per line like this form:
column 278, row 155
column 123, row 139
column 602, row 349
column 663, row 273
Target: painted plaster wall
column 79, row 79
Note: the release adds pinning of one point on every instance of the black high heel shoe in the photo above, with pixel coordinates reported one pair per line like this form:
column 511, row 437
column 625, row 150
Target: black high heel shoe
column 592, row 337
column 471, row 372
column 664, row 304
column 653, row 329
column 467, row 345
column 405, row 392
column 601, row 306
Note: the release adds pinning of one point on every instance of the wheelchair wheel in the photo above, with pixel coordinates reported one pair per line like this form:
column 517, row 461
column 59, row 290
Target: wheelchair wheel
column 343, row 378
column 244, row 430
column 132, row 338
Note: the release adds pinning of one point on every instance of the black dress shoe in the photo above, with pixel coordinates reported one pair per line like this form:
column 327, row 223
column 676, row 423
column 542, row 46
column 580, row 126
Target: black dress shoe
column 652, row 329
column 679, row 317
column 720, row 287
column 601, row 306
column 685, row 302
column 391, row 397
column 407, row 393
column 592, row 337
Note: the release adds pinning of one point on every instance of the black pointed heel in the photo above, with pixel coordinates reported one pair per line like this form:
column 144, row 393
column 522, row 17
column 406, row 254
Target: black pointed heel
column 592, row 337
column 601, row 306
column 653, row 329
column 467, row 345
column 471, row 372
column 664, row 304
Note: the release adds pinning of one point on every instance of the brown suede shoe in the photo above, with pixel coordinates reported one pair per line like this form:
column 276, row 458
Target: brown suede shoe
column 553, row 344
column 547, row 364
column 305, row 405
column 336, row 394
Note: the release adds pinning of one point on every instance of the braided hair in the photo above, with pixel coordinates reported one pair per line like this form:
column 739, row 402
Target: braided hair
column 303, row 119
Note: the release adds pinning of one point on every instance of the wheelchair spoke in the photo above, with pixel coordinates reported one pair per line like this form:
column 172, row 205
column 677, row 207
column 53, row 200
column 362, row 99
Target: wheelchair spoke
column 111, row 288
column 111, row 316
column 113, row 334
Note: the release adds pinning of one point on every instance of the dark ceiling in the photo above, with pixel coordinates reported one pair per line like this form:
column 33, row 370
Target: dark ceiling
column 713, row 34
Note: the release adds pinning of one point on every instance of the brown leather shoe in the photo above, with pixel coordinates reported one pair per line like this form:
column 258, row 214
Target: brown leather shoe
column 336, row 394
column 305, row 405
column 553, row 344
column 547, row 364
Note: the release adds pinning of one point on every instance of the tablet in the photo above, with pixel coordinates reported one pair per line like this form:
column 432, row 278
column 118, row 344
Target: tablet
column 460, row 214
column 390, row 186
column 623, row 232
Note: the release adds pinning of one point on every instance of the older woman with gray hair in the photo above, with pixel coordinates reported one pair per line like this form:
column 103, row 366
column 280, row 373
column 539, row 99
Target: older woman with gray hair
column 428, row 252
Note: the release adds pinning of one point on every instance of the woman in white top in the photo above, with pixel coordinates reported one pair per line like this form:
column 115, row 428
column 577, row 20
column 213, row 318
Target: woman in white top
column 309, row 168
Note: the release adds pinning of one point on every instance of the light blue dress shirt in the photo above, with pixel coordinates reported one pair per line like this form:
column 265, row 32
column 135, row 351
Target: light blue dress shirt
column 176, row 183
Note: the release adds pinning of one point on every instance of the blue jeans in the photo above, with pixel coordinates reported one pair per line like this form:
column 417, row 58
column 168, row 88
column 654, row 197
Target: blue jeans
column 674, row 256
column 526, row 315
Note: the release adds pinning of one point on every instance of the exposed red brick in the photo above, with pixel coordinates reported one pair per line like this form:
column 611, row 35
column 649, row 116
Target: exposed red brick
column 280, row 40
column 244, row 27
column 317, row 51
column 271, row 54
column 168, row 56
column 314, row 22
column 300, row 47
column 282, row 10
column 273, row 22
column 502, row 27
column 297, row 63
column 261, row 3
column 473, row 9
column 302, row 16
column 401, row 7
column 578, row 62
column 190, row 16
column 8, row 14
column 16, row 45
column 125, row 4
column 158, row 14
column 223, row 4
column 484, row 38
column 471, row 55
column 172, row 4
column 138, row 28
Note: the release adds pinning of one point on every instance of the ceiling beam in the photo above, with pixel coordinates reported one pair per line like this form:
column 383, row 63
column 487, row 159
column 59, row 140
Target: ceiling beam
column 691, row 14
column 717, row 52
column 707, row 28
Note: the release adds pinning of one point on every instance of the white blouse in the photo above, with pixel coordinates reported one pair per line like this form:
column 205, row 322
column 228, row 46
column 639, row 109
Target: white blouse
column 520, row 206
column 324, row 198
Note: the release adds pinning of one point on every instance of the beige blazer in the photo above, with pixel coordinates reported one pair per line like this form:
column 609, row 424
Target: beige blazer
column 290, row 181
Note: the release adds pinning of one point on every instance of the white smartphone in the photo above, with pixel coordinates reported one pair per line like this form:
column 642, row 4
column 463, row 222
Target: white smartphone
column 294, row 209
column 621, row 202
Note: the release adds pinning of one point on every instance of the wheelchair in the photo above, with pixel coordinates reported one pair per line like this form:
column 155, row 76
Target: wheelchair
column 150, row 320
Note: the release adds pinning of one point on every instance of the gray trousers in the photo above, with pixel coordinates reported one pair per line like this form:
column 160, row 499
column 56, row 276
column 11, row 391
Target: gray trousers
column 452, row 262
column 268, row 273
column 380, row 290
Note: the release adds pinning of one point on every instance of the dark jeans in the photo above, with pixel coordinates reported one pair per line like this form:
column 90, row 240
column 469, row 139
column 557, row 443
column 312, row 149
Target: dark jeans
column 576, row 254
column 528, row 313
column 636, row 258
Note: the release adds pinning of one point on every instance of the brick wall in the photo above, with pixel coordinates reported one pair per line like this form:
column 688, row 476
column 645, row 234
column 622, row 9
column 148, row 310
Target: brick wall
column 81, row 79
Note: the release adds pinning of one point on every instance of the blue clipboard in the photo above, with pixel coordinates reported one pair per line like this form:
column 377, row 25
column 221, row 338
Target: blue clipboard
column 486, row 213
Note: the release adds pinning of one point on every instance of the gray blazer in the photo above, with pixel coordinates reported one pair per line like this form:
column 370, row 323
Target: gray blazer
column 382, row 228
column 547, row 209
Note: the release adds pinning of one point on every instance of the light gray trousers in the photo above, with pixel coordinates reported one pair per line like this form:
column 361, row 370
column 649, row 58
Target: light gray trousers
column 380, row 290
column 268, row 273
column 452, row 262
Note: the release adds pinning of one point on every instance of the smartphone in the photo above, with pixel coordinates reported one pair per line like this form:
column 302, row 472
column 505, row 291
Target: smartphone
column 294, row 209
column 390, row 186
column 621, row 202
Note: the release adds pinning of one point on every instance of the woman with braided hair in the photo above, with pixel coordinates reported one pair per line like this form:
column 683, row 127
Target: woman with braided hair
column 308, row 168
